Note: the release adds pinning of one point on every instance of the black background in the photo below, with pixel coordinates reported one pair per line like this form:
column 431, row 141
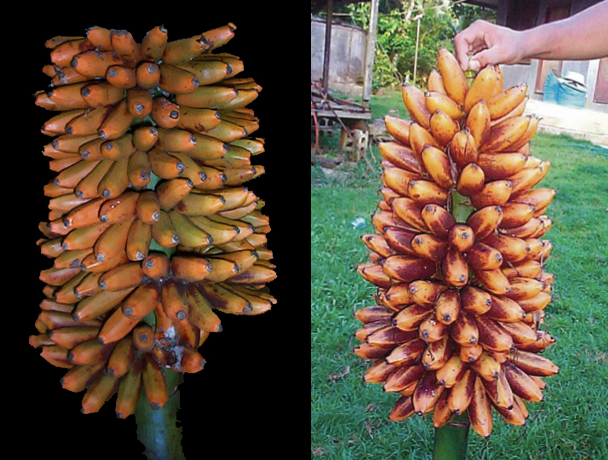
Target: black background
column 250, row 397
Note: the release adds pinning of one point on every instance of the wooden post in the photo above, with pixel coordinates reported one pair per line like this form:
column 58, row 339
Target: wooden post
column 370, row 51
column 416, row 52
column 326, row 51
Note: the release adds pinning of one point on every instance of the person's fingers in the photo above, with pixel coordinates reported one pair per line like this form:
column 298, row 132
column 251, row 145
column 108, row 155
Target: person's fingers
column 484, row 58
column 463, row 45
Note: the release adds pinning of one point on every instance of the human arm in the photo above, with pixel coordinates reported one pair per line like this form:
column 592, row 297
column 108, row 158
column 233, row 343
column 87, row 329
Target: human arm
column 580, row 37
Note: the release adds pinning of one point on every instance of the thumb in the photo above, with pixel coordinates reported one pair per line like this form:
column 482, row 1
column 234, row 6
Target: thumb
column 484, row 58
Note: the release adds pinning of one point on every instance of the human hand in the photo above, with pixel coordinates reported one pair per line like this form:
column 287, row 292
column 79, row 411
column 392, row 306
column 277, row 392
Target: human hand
column 483, row 43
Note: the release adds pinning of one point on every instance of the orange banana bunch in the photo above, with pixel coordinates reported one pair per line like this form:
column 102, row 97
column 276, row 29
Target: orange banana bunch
column 458, row 254
column 152, row 231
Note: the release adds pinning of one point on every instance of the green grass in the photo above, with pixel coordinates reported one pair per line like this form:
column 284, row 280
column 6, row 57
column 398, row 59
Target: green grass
column 349, row 419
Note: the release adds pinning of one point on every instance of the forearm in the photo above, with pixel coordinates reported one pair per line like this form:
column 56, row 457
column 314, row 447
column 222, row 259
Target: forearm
column 580, row 37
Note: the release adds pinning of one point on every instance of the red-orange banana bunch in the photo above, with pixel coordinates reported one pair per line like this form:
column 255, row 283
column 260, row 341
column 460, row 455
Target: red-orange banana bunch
column 459, row 254
column 151, row 228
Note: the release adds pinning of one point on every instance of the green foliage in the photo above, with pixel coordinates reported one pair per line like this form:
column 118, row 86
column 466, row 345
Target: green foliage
column 395, row 57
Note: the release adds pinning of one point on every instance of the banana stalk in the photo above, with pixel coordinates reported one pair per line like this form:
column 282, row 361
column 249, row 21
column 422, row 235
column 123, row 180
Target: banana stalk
column 451, row 440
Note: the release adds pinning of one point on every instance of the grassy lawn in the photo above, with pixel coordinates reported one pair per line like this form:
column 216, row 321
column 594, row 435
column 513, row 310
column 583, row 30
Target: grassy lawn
column 349, row 419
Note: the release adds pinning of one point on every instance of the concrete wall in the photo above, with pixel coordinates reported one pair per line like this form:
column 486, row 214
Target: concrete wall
column 347, row 53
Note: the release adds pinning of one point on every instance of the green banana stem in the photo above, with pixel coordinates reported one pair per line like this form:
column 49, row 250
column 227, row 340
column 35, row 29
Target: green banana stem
column 157, row 429
column 452, row 438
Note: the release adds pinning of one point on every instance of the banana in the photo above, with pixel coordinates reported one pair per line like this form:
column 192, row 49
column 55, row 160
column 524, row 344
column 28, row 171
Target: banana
column 429, row 247
column 461, row 237
column 400, row 239
column 198, row 119
column 374, row 313
column 58, row 124
column 404, row 268
column 153, row 44
column 122, row 76
column 512, row 248
column 208, row 96
column 407, row 353
column 143, row 337
column 454, row 79
column 103, row 93
column 437, row 164
column 176, row 80
column 502, row 166
column 399, row 379
column 539, row 198
column 521, row 383
column 440, row 101
column 455, row 268
column 69, row 337
column 398, row 179
column 402, row 409
column 461, row 392
column 475, row 300
column 112, row 241
column 493, row 193
column 437, row 353
column 409, row 318
column 165, row 113
column 374, row 274
column 424, row 292
column 478, row 122
column 89, row 352
column 116, row 180
column 219, row 36
column 122, row 277
column 485, row 220
column 482, row 88
column 505, row 310
column 94, row 63
column 425, row 192
column 493, row 281
column 471, row 180
column 452, row 372
column 435, row 82
column 480, row 410
column 431, row 330
column 464, row 330
column 500, row 392
column 190, row 234
column 389, row 336
column 138, row 168
column 536, row 303
column 185, row 49
column 200, row 204
column 174, row 299
column 525, row 288
column 462, row 148
column 419, row 138
column 484, row 257
column 101, row 390
column 77, row 378
column 164, row 232
column 224, row 299
column 471, row 353
column 154, row 383
column 200, row 312
column 491, row 336
column 192, row 361
column 140, row 302
column 400, row 156
column 129, row 390
column 398, row 128
column 122, row 357
column 506, row 101
column 172, row 191
column 442, row 127
column 505, row 134
column 125, row 46
column 208, row 71
column 447, row 306
column 415, row 103
column 427, row 393
column 437, row 219
column 147, row 75
column 190, row 267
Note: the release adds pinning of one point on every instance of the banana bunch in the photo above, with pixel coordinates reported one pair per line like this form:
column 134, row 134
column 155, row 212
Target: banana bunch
column 459, row 253
column 151, row 228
